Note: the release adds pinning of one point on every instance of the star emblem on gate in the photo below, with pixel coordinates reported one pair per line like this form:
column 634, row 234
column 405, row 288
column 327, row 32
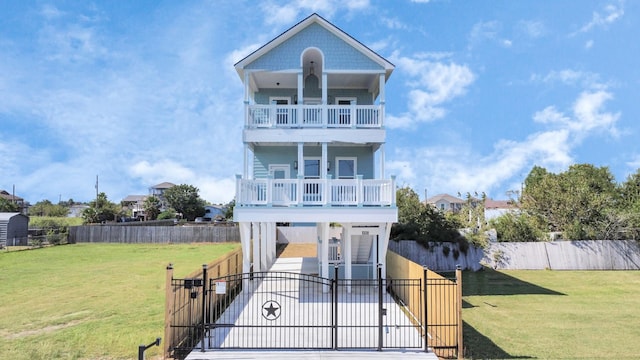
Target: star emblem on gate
column 271, row 310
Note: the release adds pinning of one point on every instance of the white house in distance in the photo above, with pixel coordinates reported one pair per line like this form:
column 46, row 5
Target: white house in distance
column 314, row 148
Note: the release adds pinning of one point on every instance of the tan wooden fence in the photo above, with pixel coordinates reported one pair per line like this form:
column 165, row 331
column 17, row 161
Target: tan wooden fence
column 442, row 312
column 182, row 313
column 153, row 234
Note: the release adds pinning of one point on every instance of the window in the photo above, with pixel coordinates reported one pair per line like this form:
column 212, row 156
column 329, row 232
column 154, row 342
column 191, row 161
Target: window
column 346, row 167
column 312, row 168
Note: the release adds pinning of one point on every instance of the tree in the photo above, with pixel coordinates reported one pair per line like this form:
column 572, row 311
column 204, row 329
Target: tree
column 420, row 222
column 515, row 227
column 8, row 206
column 46, row 208
column 151, row 207
column 100, row 210
column 185, row 200
column 577, row 202
column 228, row 210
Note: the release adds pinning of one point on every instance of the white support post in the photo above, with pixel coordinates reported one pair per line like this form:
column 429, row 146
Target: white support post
column 381, row 157
column 325, row 252
column 255, row 229
column 347, row 251
column 245, row 239
column 323, row 161
column 301, row 159
column 325, row 109
column 263, row 247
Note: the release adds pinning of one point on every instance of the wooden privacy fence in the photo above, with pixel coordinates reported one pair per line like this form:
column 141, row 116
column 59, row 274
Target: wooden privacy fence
column 183, row 313
column 152, row 234
column 439, row 308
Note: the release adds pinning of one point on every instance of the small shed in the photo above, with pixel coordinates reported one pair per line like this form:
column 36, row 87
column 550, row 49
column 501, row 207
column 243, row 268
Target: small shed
column 14, row 229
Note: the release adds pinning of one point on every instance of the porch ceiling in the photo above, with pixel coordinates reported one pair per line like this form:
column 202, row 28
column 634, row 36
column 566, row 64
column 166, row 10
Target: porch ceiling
column 289, row 80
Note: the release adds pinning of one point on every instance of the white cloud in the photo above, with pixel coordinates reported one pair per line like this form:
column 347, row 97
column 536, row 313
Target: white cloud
column 588, row 44
column 277, row 13
column 457, row 167
column 611, row 13
column 432, row 83
column 487, row 31
column 572, row 77
column 533, row 29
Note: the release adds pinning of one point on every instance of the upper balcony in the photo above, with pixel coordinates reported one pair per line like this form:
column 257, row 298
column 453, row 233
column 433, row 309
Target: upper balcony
column 314, row 116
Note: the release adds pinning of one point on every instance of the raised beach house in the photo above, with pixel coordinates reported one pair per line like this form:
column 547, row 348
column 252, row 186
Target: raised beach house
column 314, row 149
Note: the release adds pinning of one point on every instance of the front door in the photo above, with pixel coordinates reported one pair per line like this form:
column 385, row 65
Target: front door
column 283, row 188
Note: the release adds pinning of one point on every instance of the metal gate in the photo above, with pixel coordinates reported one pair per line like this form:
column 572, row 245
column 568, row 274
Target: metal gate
column 281, row 310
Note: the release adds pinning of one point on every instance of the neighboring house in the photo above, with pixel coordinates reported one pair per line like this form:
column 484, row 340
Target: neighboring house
column 314, row 148
column 76, row 210
column 135, row 203
column 212, row 212
column 496, row 208
column 23, row 206
column 14, row 229
column 158, row 191
column 446, row 202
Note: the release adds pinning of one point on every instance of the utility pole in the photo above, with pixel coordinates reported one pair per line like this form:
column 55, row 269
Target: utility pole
column 96, row 187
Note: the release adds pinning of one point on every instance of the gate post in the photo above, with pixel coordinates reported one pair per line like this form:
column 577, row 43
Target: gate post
column 459, row 310
column 380, row 308
column 204, row 303
column 426, row 307
column 335, row 308
column 168, row 311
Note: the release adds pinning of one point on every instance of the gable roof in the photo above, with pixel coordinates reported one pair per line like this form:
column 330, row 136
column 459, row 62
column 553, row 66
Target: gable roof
column 4, row 194
column 164, row 185
column 446, row 197
column 295, row 29
column 499, row 204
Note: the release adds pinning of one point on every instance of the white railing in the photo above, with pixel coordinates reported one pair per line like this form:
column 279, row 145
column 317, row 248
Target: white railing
column 305, row 116
column 315, row 192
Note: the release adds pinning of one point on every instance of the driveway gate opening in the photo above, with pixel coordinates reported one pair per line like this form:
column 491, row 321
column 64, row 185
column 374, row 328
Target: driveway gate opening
column 282, row 310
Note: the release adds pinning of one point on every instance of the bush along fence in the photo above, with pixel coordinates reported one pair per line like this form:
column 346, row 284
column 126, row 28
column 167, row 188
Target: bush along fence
column 438, row 306
column 153, row 234
column 184, row 314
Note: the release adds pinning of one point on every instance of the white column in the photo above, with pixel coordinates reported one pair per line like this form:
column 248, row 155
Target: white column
column 255, row 229
column 264, row 249
column 245, row 239
column 381, row 95
column 245, row 165
column 300, row 92
column 381, row 150
column 301, row 159
column 325, row 115
column 346, row 250
column 271, row 245
column 325, row 252
column 324, row 88
column 323, row 161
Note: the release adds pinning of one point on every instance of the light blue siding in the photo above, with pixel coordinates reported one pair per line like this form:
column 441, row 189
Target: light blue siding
column 362, row 95
column 337, row 54
column 265, row 155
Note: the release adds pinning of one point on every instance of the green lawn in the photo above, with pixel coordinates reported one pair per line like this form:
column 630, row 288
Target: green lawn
column 551, row 314
column 89, row 301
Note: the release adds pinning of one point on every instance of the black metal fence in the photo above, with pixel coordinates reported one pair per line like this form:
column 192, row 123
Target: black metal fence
column 279, row 310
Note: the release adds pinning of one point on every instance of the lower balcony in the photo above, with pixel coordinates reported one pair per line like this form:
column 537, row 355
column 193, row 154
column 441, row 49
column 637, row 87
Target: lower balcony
column 358, row 192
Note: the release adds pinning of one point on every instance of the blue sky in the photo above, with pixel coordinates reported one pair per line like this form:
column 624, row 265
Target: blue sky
column 142, row 92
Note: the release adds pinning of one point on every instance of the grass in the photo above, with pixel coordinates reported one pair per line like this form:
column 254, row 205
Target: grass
column 89, row 301
column 551, row 314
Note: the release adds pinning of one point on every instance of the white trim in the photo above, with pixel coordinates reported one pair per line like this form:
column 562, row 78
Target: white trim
column 284, row 167
column 355, row 166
